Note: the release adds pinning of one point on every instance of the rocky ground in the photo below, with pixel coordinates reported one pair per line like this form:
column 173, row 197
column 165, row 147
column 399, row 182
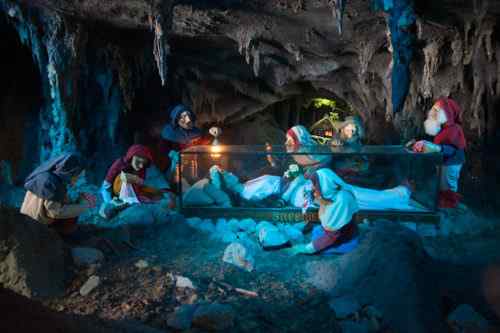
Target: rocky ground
column 141, row 284
column 174, row 278
column 157, row 269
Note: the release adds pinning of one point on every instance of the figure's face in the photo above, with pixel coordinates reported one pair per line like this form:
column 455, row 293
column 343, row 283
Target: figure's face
column 138, row 163
column 75, row 178
column 437, row 114
column 185, row 121
column 290, row 143
column 435, row 119
column 349, row 131
column 316, row 193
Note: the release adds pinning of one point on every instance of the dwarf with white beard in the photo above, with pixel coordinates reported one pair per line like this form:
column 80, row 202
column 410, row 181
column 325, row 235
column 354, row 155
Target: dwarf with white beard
column 443, row 123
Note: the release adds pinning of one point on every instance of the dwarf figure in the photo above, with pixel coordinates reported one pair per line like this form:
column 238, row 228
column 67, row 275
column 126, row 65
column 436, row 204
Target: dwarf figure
column 180, row 133
column 444, row 124
column 46, row 199
column 336, row 209
column 124, row 182
column 350, row 133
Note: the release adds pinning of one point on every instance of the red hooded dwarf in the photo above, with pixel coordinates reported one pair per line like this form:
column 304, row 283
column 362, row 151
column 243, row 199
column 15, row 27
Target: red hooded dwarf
column 132, row 167
column 444, row 124
column 299, row 139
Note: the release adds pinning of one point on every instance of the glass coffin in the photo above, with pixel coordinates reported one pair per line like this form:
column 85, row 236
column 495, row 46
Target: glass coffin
column 272, row 182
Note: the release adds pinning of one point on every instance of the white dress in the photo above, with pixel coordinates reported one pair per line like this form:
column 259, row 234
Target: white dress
column 397, row 198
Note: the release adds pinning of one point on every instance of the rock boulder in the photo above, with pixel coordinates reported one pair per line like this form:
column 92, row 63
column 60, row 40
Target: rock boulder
column 390, row 270
column 31, row 256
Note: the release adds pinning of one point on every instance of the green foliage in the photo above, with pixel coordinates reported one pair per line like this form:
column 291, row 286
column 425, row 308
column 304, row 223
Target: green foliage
column 324, row 102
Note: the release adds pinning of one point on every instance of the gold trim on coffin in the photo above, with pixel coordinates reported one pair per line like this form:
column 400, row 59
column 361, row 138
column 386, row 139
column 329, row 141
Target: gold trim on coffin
column 295, row 215
column 265, row 214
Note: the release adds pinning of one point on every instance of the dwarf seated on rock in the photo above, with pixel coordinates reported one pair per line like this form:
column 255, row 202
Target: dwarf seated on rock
column 443, row 123
column 124, row 182
column 46, row 199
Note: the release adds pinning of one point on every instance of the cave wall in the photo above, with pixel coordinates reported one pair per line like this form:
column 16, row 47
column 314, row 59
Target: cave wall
column 19, row 103
column 461, row 61
column 389, row 63
column 230, row 60
column 88, row 76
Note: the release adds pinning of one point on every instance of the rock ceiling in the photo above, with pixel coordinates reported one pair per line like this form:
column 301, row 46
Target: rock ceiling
column 235, row 58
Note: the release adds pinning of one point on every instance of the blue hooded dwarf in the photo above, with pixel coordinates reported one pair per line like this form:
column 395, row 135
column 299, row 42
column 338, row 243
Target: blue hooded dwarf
column 180, row 133
column 46, row 200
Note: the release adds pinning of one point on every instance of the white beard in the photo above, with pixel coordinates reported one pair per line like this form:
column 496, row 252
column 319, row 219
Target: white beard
column 442, row 117
column 432, row 127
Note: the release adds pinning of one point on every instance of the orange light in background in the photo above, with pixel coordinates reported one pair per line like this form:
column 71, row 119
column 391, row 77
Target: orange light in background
column 215, row 151
column 329, row 133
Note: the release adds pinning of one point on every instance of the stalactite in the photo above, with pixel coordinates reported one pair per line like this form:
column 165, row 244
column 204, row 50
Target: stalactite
column 497, row 56
column 476, row 106
column 55, row 45
column 61, row 55
column 468, row 49
column 295, row 51
column 457, row 57
column 457, row 50
column 298, row 6
column 337, row 7
column 386, row 79
column 487, row 42
column 248, row 52
column 479, row 77
column 256, row 60
column 432, row 62
column 249, row 47
column 244, row 38
column 478, row 51
column 161, row 49
column 366, row 52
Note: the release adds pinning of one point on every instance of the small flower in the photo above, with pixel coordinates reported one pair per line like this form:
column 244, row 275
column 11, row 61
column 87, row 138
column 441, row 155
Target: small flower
column 293, row 168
